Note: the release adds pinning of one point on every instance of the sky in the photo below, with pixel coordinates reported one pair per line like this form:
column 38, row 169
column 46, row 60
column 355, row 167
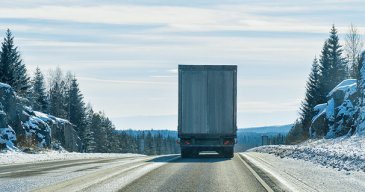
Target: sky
column 125, row 54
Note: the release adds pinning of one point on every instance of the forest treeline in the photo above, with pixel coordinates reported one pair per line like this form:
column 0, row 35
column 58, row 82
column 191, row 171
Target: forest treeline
column 248, row 140
column 58, row 94
column 334, row 64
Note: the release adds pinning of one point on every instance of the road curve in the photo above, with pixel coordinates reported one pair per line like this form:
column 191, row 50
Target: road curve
column 206, row 173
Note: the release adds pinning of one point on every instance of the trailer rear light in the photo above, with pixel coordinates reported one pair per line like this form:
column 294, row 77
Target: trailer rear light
column 227, row 142
column 187, row 142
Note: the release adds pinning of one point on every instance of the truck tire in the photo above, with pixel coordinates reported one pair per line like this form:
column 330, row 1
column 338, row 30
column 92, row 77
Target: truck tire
column 185, row 153
column 228, row 152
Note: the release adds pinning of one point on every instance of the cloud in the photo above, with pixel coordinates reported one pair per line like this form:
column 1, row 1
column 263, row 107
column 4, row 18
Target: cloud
column 167, row 18
column 126, row 53
column 125, row 82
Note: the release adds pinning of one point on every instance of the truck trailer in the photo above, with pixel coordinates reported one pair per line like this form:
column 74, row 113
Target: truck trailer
column 207, row 109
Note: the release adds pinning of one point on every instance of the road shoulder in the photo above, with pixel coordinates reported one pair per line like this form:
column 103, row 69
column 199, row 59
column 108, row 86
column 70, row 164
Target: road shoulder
column 299, row 175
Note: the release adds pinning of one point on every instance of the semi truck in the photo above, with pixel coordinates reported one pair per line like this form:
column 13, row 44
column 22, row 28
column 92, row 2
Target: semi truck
column 207, row 108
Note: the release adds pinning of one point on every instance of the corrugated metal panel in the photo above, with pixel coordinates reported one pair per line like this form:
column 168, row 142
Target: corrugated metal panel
column 220, row 102
column 207, row 99
column 194, row 101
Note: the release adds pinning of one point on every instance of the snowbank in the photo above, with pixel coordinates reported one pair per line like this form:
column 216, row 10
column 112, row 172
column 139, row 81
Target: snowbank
column 299, row 175
column 344, row 153
column 11, row 157
column 347, row 86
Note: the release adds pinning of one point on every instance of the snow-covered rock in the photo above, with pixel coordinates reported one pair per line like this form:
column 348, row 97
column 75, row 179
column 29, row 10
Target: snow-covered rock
column 360, row 119
column 7, row 137
column 34, row 125
column 336, row 117
column 20, row 124
column 319, row 126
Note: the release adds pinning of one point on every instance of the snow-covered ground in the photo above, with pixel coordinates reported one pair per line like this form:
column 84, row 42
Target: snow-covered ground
column 344, row 153
column 299, row 175
column 11, row 157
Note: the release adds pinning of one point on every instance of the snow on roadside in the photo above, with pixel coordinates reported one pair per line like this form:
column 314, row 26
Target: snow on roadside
column 11, row 157
column 300, row 175
column 344, row 153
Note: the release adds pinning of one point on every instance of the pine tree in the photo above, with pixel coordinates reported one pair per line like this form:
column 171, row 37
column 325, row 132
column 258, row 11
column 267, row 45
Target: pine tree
column 150, row 148
column 57, row 100
column 158, row 143
column 311, row 98
column 338, row 63
column 360, row 117
column 109, row 131
column 59, row 88
column 12, row 68
column 295, row 134
column 332, row 65
column 88, row 135
column 76, row 108
column 324, row 73
column 39, row 96
column 100, row 130
column 361, row 61
column 89, row 140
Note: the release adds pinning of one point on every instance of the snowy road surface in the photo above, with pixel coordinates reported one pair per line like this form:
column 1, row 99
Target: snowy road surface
column 300, row 175
column 207, row 173
column 249, row 171
column 141, row 173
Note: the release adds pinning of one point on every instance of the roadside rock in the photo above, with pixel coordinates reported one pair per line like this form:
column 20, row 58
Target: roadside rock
column 21, row 125
column 336, row 117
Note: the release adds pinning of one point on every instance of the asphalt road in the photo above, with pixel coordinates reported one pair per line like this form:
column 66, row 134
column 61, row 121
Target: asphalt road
column 164, row 173
column 207, row 173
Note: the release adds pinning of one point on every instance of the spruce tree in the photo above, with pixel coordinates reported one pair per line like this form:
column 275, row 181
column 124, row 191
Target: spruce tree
column 59, row 94
column 312, row 97
column 100, row 132
column 109, row 131
column 57, row 100
column 338, row 64
column 295, row 134
column 12, row 68
column 360, row 62
column 39, row 96
column 332, row 65
column 76, row 108
column 324, row 73
column 95, row 126
column 88, row 135
column 360, row 117
column 150, row 148
column 89, row 140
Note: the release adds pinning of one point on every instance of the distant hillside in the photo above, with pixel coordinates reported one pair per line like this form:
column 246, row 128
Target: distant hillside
column 248, row 138
column 164, row 133
column 283, row 129
column 270, row 130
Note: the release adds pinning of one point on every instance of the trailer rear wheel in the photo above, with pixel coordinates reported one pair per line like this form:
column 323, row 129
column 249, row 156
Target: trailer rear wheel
column 184, row 153
column 228, row 152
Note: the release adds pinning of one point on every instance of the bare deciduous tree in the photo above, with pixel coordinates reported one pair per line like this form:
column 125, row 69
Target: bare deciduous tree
column 353, row 47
